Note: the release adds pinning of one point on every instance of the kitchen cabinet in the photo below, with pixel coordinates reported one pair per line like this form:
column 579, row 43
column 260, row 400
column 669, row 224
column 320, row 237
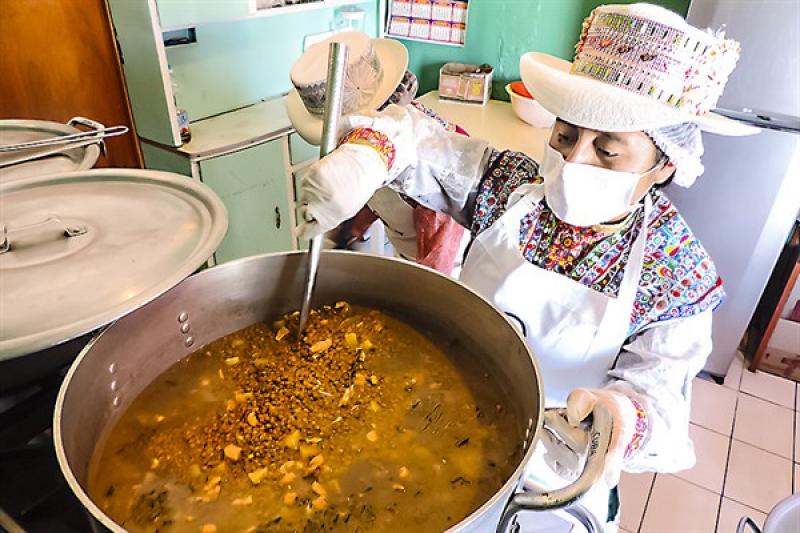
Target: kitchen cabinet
column 240, row 54
column 230, row 75
column 175, row 14
column 253, row 159
column 300, row 151
column 184, row 13
column 252, row 184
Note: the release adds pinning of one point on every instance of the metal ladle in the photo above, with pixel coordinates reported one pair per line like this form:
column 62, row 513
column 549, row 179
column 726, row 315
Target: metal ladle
column 334, row 87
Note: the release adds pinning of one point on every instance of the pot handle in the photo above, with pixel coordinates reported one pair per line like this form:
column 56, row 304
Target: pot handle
column 69, row 229
column 599, row 438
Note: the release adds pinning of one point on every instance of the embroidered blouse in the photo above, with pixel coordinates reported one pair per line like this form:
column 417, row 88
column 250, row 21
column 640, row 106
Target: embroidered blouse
column 678, row 277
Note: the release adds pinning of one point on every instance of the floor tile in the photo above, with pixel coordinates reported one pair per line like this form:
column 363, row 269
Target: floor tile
column 731, row 512
column 713, row 406
column 768, row 387
column 634, row 490
column 757, row 478
column 734, row 375
column 764, row 425
column 677, row 505
column 711, row 450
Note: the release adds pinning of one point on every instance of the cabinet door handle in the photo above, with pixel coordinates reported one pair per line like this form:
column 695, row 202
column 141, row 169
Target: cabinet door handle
column 277, row 218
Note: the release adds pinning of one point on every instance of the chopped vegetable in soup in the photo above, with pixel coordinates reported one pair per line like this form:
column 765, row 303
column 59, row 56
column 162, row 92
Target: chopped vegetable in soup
column 364, row 425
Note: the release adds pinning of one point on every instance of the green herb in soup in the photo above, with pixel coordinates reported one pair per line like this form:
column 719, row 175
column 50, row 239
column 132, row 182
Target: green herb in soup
column 364, row 425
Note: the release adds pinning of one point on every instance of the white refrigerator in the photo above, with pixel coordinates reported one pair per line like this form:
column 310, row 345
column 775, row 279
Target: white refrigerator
column 743, row 207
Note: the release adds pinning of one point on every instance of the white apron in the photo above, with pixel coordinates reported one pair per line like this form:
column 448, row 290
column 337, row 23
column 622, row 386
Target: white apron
column 574, row 331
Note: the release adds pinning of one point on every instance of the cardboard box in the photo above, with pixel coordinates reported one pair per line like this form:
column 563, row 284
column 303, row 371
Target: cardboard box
column 461, row 82
column 400, row 26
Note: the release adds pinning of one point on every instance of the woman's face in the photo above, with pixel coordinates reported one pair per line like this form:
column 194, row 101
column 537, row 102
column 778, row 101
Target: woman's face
column 631, row 151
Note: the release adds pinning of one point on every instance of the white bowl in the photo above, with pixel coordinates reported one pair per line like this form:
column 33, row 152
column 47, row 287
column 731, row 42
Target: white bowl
column 529, row 110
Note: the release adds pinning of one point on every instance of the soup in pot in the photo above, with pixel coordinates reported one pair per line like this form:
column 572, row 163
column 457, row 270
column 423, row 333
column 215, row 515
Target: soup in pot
column 363, row 425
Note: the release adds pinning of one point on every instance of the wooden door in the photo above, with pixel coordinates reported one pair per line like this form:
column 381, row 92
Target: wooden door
column 60, row 60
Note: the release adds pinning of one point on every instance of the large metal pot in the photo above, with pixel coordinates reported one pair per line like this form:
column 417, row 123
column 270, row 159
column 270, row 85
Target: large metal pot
column 117, row 365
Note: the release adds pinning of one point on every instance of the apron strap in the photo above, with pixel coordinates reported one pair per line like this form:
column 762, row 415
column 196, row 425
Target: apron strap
column 617, row 318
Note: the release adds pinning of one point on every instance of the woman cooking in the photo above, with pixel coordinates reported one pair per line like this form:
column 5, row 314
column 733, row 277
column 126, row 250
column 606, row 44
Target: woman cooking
column 583, row 250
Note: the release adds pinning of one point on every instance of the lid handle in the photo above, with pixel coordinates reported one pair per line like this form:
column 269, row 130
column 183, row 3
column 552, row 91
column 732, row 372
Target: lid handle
column 70, row 230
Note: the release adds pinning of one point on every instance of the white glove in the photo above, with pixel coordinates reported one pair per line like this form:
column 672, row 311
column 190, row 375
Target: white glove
column 565, row 447
column 337, row 186
column 629, row 427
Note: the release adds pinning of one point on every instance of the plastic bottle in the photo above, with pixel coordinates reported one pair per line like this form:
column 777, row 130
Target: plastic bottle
column 181, row 114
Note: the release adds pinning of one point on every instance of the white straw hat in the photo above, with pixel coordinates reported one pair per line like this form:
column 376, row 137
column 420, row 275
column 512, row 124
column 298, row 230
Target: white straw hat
column 637, row 67
column 374, row 69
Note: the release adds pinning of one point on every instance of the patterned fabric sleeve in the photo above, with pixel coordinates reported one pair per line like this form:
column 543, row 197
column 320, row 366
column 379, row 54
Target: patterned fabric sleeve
column 505, row 172
column 679, row 279
column 670, row 337
column 446, row 124
column 656, row 368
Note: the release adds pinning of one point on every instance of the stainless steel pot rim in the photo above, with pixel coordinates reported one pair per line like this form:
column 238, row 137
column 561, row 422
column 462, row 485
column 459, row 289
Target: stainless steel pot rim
column 513, row 479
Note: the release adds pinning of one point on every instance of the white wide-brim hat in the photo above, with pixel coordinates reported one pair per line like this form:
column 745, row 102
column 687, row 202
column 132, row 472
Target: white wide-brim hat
column 393, row 59
column 637, row 67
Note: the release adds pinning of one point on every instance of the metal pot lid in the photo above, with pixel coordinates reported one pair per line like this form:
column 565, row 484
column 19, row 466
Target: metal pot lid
column 85, row 248
column 19, row 131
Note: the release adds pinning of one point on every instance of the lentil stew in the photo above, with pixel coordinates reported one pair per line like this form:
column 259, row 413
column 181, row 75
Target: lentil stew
column 364, row 425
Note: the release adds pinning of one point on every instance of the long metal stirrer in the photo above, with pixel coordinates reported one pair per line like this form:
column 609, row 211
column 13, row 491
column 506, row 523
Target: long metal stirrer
column 337, row 62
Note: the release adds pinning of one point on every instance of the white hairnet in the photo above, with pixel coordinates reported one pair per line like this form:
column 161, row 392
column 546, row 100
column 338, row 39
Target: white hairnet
column 683, row 145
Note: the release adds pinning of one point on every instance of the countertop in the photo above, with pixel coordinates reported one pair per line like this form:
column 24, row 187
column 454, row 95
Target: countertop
column 495, row 123
column 238, row 129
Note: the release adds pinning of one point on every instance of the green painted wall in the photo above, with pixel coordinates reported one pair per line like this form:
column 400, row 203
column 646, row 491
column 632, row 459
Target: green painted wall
column 234, row 64
column 500, row 31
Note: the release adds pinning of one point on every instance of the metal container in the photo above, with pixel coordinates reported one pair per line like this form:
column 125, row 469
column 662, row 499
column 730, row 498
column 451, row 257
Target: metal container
column 81, row 249
column 67, row 160
column 118, row 364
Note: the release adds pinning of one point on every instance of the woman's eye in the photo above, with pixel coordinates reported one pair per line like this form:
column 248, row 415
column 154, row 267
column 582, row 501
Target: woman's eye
column 563, row 138
column 606, row 153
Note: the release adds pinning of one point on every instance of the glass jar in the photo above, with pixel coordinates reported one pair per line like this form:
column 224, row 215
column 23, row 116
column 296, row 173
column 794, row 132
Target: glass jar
column 348, row 18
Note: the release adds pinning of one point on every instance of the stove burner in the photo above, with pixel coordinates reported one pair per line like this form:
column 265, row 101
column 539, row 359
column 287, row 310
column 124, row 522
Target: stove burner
column 34, row 497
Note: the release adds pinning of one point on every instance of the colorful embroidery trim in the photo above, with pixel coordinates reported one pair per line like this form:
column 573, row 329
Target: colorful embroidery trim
column 685, row 69
column 639, row 431
column 678, row 278
column 375, row 140
column 593, row 258
column 507, row 171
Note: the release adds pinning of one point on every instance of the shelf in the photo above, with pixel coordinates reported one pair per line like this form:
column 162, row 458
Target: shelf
column 238, row 129
column 252, row 13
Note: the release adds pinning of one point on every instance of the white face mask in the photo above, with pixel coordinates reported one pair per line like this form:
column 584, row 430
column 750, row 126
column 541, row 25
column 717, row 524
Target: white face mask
column 585, row 195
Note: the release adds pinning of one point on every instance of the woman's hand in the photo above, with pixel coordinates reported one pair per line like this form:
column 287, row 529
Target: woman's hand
column 337, row 186
column 629, row 428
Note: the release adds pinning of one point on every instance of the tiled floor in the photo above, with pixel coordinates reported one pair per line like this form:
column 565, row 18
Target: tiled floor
column 746, row 435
